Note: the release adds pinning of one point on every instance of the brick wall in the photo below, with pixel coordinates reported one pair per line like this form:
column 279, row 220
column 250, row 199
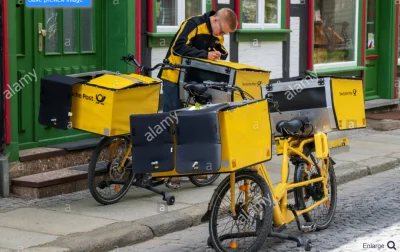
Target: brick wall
column 263, row 54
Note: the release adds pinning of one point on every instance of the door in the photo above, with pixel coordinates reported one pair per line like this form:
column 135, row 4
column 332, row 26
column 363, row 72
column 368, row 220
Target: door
column 372, row 56
column 64, row 41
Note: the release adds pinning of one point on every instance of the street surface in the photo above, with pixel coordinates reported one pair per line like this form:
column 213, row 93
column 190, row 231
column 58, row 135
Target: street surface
column 367, row 218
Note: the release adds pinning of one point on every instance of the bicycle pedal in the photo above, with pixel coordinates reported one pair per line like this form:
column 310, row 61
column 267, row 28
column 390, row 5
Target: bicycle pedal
column 309, row 227
column 171, row 185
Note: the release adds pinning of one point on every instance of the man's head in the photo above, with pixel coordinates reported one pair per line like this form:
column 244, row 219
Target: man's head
column 224, row 22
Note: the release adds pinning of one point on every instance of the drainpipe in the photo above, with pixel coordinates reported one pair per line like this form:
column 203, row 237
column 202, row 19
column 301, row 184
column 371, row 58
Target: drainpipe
column 4, row 173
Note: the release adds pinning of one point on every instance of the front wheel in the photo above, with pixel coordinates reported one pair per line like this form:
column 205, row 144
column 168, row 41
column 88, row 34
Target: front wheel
column 248, row 229
column 109, row 179
column 308, row 195
column 203, row 180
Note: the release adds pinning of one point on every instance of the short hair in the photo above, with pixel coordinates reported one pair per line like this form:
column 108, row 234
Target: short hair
column 229, row 16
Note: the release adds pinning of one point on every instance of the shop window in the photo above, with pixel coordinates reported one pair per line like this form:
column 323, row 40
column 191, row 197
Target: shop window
column 261, row 14
column 371, row 19
column 335, row 33
column 170, row 14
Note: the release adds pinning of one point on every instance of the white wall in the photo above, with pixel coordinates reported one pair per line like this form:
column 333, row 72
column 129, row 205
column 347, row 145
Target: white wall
column 294, row 56
column 157, row 56
column 267, row 55
column 227, row 46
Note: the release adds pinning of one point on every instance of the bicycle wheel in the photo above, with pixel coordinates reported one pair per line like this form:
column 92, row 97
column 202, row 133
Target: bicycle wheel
column 308, row 195
column 253, row 220
column 203, row 180
column 105, row 172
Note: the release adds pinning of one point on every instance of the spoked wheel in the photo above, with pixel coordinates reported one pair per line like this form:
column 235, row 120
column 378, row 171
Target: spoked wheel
column 250, row 227
column 109, row 179
column 203, row 180
column 308, row 195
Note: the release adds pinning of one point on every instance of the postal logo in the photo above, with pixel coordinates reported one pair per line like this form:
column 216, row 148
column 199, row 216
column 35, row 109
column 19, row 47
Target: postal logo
column 257, row 83
column 353, row 93
column 100, row 99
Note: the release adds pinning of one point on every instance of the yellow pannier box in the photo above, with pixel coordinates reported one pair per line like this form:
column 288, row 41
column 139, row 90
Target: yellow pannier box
column 247, row 77
column 331, row 103
column 217, row 139
column 101, row 105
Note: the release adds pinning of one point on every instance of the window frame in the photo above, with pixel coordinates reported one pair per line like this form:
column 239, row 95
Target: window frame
column 261, row 15
column 180, row 8
column 356, row 45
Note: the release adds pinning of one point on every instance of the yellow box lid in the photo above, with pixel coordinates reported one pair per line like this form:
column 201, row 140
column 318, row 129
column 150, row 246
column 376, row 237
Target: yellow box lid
column 230, row 64
column 122, row 81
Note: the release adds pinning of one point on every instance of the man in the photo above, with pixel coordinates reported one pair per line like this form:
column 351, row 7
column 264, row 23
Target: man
column 199, row 37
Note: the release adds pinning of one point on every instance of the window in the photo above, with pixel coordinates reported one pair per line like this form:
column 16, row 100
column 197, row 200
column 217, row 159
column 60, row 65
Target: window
column 261, row 14
column 172, row 13
column 371, row 15
column 335, row 33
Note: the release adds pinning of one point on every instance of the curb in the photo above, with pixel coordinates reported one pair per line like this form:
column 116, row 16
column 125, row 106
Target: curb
column 123, row 234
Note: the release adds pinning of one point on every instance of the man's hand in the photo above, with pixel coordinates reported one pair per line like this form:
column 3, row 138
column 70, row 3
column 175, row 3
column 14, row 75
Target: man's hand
column 215, row 55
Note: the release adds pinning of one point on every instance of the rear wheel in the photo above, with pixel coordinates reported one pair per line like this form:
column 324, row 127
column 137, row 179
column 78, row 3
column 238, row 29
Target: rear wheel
column 308, row 195
column 203, row 180
column 108, row 180
column 252, row 224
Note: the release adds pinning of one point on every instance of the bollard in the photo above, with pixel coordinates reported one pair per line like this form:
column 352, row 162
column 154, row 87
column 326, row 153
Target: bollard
column 4, row 177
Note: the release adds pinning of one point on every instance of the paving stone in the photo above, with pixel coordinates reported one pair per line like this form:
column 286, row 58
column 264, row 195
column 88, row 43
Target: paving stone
column 350, row 230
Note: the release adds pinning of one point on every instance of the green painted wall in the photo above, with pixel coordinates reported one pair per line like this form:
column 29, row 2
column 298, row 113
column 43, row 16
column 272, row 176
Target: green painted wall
column 120, row 34
column 387, row 40
column 12, row 148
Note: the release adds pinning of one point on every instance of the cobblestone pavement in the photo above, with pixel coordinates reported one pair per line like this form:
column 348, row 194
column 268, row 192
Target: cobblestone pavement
column 367, row 218
column 11, row 203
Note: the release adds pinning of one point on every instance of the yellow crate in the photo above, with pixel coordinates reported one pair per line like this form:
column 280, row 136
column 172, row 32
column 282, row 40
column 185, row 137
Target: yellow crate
column 102, row 105
column 235, row 137
column 247, row 77
column 348, row 103
column 246, row 136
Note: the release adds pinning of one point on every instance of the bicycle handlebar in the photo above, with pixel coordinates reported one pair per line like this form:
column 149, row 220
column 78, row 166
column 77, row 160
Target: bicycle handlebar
column 164, row 65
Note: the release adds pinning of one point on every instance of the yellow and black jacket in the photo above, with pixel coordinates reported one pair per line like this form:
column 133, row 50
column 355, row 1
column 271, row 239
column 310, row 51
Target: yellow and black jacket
column 193, row 39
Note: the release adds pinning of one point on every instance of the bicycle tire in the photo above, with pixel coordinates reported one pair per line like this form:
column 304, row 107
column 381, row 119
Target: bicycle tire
column 201, row 184
column 265, row 226
column 91, row 174
column 299, row 195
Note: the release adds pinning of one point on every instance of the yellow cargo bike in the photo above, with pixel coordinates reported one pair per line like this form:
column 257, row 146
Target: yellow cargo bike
column 101, row 102
column 307, row 120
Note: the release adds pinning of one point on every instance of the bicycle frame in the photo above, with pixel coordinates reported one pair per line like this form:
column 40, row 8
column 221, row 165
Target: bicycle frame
column 281, row 215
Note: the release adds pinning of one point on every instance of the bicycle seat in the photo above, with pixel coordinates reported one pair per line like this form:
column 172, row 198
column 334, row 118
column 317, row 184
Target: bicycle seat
column 198, row 89
column 295, row 125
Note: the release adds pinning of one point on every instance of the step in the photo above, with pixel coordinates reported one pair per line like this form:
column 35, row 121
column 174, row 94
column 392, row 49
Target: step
column 51, row 183
column 384, row 121
column 382, row 104
column 54, row 157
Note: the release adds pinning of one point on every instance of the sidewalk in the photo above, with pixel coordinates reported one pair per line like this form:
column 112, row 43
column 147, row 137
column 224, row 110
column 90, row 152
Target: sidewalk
column 79, row 223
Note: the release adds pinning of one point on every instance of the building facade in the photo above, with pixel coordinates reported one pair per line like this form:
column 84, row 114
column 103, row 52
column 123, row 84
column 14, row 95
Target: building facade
column 291, row 38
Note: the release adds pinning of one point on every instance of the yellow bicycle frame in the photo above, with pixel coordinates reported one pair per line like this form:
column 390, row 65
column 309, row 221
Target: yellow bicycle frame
column 281, row 215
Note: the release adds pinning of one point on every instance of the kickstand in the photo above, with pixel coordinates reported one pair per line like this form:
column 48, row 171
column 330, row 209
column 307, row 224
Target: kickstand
column 291, row 208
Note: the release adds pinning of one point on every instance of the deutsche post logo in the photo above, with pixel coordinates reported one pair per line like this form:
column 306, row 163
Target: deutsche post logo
column 100, row 99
